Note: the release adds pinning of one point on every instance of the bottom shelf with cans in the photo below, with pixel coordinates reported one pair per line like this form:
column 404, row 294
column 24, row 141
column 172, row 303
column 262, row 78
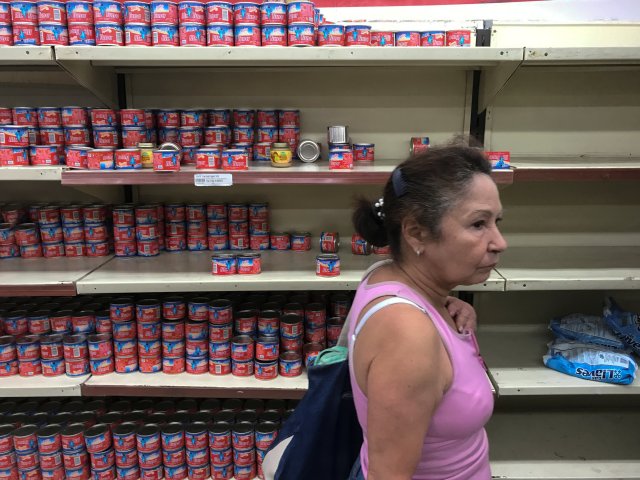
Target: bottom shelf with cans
column 138, row 439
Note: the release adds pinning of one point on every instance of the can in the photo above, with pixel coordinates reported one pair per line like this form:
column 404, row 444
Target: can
column 14, row 135
column 223, row 264
column 100, row 159
column 77, row 157
column 75, row 347
column 359, row 246
column 52, row 12
column 150, row 461
column 53, row 34
column 174, row 308
column 418, row 145
column 72, row 437
column 242, row 348
column 301, row 35
column 149, row 348
column 383, row 39
column 340, row 159
column 165, row 35
column 274, row 35
column 108, row 34
column 300, row 241
column 128, row 473
column 247, row 36
column 136, row 12
column 166, row 160
column 195, row 348
column 273, row 13
column 97, row 438
column 44, row 155
column 301, row 12
column 103, row 460
column 242, row 369
column 458, row 38
column 330, row 35
column 148, row 440
column 219, row 437
column 101, row 366
column 107, row 11
column 176, row 473
column 191, row 12
column 357, row 36
column 219, row 350
column 81, row 34
column 49, row 116
column 24, row 11
column 126, row 458
column 329, row 242
column 310, row 352
column 196, row 438
column 197, row 366
column 173, row 365
column 79, row 11
column 100, row 346
column 221, row 471
column 432, row 38
column 133, row 136
column 192, row 35
column 246, row 13
column 363, row 152
column 13, row 156
column 132, row 117
column 267, row 349
column 407, row 39
column 125, row 347
column 328, row 265
column 242, row 437
column 165, row 12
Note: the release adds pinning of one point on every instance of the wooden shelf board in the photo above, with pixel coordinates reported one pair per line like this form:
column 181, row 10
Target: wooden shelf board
column 45, row 276
column 514, row 353
column 299, row 174
column 469, row 58
column 191, row 271
column 188, row 385
column 571, row 268
column 53, row 173
column 578, row 168
column 40, row 386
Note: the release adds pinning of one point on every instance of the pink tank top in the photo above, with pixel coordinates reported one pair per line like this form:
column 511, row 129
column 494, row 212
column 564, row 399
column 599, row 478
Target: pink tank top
column 456, row 445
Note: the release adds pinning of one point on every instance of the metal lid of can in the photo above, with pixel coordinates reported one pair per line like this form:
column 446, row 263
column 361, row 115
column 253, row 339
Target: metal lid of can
column 170, row 146
column 308, row 151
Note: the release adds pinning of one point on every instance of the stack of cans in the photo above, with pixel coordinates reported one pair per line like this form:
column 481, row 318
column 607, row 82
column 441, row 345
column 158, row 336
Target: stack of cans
column 6, row 29
column 173, row 450
column 173, row 335
column 239, row 226
column 76, row 355
column 197, row 450
column 24, row 17
column 137, row 23
column 164, row 23
column 219, row 24
column 124, row 232
column 196, row 226
column 108, row 18
column 217, row 226
column 259, row 227
column 126, row 453
column 175, row 227
column 192, row 19
column 80, row 22
column 149, row 229
column 149, row 331
column 74, row 452
column 28, row 350
column 302, row 18
column 149, row 452
column 98, row 441
column 125, row 343
column 25, row 445
column 196, row 332
column 52, row 22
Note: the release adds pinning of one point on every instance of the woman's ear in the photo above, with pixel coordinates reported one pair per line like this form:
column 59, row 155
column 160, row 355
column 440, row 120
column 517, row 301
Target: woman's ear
column 414, row 235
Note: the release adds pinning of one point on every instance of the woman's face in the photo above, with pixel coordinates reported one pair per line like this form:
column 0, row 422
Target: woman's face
column 470, row 241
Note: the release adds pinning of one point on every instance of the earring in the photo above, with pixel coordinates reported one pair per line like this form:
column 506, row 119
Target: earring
column 418, row 252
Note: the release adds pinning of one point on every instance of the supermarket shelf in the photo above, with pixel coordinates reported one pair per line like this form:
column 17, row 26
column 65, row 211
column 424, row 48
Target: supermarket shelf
column 30, row 56
column 583, row 56
column 470, row 58
column 560, row 444
column 571, row 268
column 31, row 173
column 191, row 271
column 582, row 168
column 299, row 174
column 45, row 276
column 39, row 386
column 560, row 470
column 514, row 353
column 188, row 385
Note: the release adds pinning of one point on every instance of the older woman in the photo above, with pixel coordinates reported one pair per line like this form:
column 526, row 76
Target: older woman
column 419, row 386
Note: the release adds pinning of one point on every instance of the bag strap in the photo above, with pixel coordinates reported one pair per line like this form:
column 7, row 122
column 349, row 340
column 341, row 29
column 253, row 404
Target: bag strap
column 379, row 306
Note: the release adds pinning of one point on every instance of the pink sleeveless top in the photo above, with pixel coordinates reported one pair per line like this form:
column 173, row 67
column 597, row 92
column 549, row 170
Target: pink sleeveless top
column 456, row 446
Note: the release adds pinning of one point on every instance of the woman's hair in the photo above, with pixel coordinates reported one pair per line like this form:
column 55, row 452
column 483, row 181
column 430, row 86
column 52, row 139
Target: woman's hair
column 424, row 187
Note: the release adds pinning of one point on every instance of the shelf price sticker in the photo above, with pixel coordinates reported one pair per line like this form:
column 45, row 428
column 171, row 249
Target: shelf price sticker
column 213, row 179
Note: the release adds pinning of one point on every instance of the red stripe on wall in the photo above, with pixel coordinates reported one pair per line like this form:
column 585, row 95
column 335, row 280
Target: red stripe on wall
column 402, row 3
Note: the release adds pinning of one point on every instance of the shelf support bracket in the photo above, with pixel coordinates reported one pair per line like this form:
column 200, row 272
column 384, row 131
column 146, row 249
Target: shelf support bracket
column 494, row 80
column 101, row 81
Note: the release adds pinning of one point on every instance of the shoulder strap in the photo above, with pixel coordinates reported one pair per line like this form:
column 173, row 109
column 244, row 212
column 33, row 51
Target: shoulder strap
column 379, row 306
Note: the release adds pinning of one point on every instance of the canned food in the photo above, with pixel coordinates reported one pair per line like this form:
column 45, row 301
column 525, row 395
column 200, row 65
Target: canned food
column 267, row 349
column 418, row 145
column 126, row 458
column 301, row 35
column 191, row 12
column 165, row 35
column 224, row 264
column 192, row 35
column 383, row 39
column 44, row 155
column 434, row 38
column 13, row 156
column 328, row 265
column 363, row 152
column 329, row 242
column 100, row 159
column 407, row 39
column 458, row 38
column 137, row 12
column 126, row 364
column 102, row 366
column 242, row 348
column 109, row 34
column 357, row 36
column 53, row 34
column 274, row 36
column 124, row 441
column 359, row 246
column 82, row 34
column 97, row 438
column 163, row 11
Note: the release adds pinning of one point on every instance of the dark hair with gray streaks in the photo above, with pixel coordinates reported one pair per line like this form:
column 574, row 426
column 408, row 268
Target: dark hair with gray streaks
column 424, row 187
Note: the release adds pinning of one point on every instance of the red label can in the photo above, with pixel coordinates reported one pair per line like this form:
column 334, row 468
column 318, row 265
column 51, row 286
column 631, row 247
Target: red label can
column 458, row 38
column 220, row 35
column 24, row 12
column 219, row 12
column 191, row 11
column 247, row 35
column 197, row 366
column 242, row 369
column 246, row 13
column 301, row 12
column 166, row 160
column 407, row 39
column 302, row 35
column 249, row 264
column 383, row 39
column 173, row 365
column 79, row 12
column 280, row 241
column 432, row 39
column 165, row 35
column 192, row 35
column 328, row 265
column 290, row 364
column 53, row 34
column 109, row 34
column 44, row 155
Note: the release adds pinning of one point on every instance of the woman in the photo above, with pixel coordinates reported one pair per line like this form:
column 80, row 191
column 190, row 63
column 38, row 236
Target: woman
column 419, row 386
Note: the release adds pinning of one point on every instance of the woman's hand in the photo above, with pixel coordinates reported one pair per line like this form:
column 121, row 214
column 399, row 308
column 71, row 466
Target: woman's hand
column 463, row 314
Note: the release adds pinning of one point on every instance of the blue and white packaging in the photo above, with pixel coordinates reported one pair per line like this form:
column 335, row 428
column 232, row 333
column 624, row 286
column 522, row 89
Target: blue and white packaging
column 626, row 325
column 586, row 329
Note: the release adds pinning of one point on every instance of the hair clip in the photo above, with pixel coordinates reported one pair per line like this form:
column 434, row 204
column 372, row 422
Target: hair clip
column 377, row 209
column 398, row 182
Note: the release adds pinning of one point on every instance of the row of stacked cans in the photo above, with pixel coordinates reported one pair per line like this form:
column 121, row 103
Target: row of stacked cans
column 256, row 335
column 37, row 136
column 144, row 23
column 139, row 440
column 146, row 229
column 50, row 231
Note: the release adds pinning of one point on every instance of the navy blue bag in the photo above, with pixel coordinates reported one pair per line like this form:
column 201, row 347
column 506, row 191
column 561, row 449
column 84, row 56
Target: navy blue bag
column 322, row 438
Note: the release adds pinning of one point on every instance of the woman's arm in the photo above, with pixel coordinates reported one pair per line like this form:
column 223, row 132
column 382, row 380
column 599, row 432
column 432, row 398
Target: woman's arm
column 404, row 384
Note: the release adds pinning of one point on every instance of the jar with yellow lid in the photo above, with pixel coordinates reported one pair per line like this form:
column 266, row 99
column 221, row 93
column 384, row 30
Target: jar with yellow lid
column 146, row 154
column 281, row 155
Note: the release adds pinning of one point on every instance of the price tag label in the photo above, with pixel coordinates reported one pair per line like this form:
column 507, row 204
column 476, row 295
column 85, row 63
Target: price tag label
column 213, row 180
